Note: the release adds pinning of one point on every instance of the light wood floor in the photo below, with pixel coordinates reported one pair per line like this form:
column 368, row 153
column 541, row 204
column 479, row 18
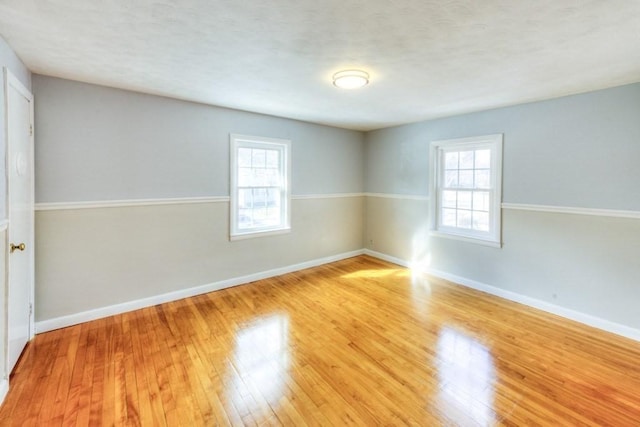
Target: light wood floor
column 357, row 342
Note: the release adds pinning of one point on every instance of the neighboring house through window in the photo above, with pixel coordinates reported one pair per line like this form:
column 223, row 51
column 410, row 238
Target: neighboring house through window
column 466, row 188
column 260, row 186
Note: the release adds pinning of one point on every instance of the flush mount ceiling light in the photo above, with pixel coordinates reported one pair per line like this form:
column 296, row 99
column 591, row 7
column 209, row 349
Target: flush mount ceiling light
column 350, row 79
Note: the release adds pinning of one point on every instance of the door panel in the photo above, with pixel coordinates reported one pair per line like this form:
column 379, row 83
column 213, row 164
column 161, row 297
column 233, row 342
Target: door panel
column 20, row 210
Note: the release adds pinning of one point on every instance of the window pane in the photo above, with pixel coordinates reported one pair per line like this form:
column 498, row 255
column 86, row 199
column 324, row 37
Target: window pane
column 273, row 198
column 258, row 158
column 273, row 159
column 480, row 221
column 481, row 201
column 483, row 179
column 244, row 218
column 259, row 198
column 483, row 159
column 451, row 178
column 466, row 160
column 464, row 219
column 260, row 177
column 272, row 177
column 273, row 207
column 259, row 216
column 245, row 198
column 464, row 200
column 449, row 199
column 244, row 177
column 451, row 160
column 244, row 157
column 466, row 179
column 449, row 217
column 272, row 217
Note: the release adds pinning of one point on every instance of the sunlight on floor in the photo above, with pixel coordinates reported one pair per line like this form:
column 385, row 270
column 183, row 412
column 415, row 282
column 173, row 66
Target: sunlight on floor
column 420, row 294
column 363, row 274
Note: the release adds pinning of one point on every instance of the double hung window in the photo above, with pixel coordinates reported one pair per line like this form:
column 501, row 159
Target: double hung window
column 260, row 188
column 466, row 188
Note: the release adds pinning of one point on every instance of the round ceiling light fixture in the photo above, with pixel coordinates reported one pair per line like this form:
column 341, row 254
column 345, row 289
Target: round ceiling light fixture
column 350, row 79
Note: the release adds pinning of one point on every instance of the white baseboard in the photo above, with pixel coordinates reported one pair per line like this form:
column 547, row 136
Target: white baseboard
column 586, row 319
column 387, row 258
column 4, row 389
column 85, row 316
column 98, row 313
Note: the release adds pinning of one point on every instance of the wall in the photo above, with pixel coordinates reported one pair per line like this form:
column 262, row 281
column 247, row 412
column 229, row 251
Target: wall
column 574, row 152
column 97, row 144
column 9, row 60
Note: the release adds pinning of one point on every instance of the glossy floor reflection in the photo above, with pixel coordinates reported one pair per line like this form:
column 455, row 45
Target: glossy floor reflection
column 260, row 362
column 466, row 374
column 356, row 342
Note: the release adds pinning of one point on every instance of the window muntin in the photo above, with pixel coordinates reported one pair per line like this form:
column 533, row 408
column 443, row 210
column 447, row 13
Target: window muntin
column 259, row 185
column 466, row 183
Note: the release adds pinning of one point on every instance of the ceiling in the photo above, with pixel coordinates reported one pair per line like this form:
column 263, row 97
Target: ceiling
column 426, row 58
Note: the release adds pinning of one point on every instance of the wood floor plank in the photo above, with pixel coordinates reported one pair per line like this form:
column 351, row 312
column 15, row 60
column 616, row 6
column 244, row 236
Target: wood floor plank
column 83, row 410
column 54, row 398
column 81, row 355
column 356, row 342
column 146, row 377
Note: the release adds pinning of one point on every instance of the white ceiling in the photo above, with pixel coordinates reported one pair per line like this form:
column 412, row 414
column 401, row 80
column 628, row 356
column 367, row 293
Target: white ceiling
column 426, row 58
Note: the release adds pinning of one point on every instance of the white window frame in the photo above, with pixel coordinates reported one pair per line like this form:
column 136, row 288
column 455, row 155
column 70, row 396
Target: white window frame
column 284, row 146
column 492, row 237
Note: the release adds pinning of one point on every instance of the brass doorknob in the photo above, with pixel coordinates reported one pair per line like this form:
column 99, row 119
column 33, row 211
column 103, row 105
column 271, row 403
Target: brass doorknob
column 19, row 247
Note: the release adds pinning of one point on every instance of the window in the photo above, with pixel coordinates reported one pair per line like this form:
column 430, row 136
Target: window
column 260, row 199
column 466, row 186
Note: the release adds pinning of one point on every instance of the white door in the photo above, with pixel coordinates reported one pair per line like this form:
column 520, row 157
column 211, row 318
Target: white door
column 20, row 209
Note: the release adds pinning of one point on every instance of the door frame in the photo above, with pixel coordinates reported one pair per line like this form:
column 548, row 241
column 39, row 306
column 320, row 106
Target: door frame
column 12, row 82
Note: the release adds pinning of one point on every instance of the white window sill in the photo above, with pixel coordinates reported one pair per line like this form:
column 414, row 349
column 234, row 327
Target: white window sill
column 468, row 239
column 254, row 234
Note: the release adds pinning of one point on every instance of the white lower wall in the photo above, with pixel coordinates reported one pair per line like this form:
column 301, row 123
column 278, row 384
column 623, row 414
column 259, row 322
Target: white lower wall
column 91, row 259
column 577, row 263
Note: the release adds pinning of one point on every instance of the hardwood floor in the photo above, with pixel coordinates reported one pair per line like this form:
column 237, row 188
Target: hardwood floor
column 357, row 342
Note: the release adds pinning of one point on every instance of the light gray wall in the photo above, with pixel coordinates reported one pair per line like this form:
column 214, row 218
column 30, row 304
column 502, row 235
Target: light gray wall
column 577, row 151
column 98, row 143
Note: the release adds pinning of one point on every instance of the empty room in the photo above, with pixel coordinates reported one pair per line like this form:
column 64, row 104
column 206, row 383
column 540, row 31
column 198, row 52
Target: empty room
column 320, row 213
